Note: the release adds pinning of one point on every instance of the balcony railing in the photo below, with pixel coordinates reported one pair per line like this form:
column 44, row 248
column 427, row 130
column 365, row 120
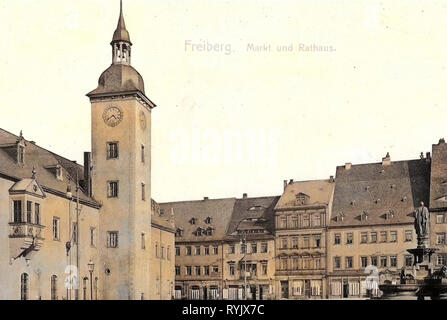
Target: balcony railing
column 25, row 230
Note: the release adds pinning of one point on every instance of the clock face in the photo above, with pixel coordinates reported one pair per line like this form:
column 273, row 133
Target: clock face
column 112, row 116
column 143, row 122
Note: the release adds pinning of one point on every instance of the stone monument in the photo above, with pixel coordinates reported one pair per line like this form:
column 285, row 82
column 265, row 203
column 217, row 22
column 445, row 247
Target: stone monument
column 424, row 281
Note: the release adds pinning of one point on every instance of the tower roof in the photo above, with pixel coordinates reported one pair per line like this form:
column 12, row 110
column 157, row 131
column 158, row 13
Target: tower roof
column 121, row 33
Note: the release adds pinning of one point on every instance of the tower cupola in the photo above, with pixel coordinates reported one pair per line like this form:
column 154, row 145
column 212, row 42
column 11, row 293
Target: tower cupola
column 121, row 45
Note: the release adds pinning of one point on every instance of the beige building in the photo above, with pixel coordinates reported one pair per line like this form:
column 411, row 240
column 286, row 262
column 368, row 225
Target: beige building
column 249, row 250
column 104, row 239
column 372, row 224
column 199, row 259
column 438, row 202
column 301, row 218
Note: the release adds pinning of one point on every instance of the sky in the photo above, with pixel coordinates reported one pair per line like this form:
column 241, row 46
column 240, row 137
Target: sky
column 249, row 92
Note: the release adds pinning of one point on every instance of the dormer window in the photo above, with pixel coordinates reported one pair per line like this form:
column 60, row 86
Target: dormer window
column 193, row 221
column 301, row 199
column 209, row 231
column 389, row 215
column 364, row 216
column 59, row 172
column 208, row 220
column 340, row 217
column 179, row 232
column 20, row 154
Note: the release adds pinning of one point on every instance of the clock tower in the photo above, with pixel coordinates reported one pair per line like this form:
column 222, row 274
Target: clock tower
column 121, row 173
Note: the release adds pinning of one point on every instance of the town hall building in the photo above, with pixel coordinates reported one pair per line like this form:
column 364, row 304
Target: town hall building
column 93, row 231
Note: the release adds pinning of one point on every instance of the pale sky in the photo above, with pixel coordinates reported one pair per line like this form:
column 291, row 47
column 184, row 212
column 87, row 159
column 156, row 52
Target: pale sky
column 231, row 120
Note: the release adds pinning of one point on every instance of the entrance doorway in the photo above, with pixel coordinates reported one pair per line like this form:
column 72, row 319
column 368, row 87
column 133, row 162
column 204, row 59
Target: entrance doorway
column 285, row 289
column 345, row 290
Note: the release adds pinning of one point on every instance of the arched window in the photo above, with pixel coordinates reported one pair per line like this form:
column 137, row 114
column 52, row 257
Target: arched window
column 53, row 287
column 84, row 287
column 24, row 286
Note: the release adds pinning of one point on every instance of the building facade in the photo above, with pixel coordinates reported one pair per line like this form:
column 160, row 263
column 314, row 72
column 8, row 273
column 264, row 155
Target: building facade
column 372, row 224
column 301, row 219
column 249, row 250
column 88, row 232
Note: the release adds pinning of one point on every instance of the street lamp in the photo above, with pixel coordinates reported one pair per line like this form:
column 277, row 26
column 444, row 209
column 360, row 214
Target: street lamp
column 91, row 268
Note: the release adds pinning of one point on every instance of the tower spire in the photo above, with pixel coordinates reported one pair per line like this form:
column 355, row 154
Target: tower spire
column 121, row 41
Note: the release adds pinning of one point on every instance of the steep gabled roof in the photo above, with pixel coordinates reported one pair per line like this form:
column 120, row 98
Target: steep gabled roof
column 39, row 159
column 220, row 210
column 319, row 192
column 379, row 190
column 252, row 214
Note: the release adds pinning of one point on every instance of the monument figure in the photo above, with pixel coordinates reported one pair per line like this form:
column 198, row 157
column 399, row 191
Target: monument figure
column 422, row 223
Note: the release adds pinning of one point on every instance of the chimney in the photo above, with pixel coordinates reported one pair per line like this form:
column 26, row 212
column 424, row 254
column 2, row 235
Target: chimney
column 441, row 141
column 331, row 179
column 285, row 184
column 88, row 173
column 348, row 165
column 244, row 196
column 291, row 181
column 205, row 198
column 428, row 157
column 387, row 160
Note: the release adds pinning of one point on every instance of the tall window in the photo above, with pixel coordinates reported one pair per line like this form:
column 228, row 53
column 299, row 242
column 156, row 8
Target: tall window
column 56, row 228
column 393, row 261
column 254, row 248
column 177, row 251
column 264, row 247
column 168, row 253
column 206, row 270
column 53, row 287
column 143, row 191
column 349, row 238
column 393, row 236
column 264, row 268
column 17, row 211
column 24, row 286
column 364, row 237
column 349, row 264
column 316, row 220
column 440, row 238
column 295, row 222
column 21, row 155
column 364, row 261
column 383, row 236
column 112, row 189
column 440, row 218
column 373, row 237
column 294, row 242
column 29, row 211
column 37, row 213
column 162, row 252
column 112, row 239
column 177, row 270
column 317, row 240
column 207, row 250
column 197, row 250
column 337, row 262
column 231, row 249
column 383, row 261
column 215, row 250
column 306, row 242
column 198, row 270
column 143, row 158
column 284, row 243
column 337, row 238
column 188, row 250
column 112, row 150
column 188, row 270
column 306, row 221
column 231, row 269
column 374, row 261
column 92, row 236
